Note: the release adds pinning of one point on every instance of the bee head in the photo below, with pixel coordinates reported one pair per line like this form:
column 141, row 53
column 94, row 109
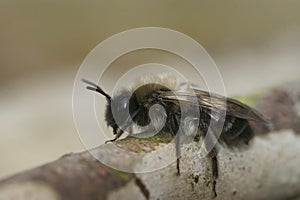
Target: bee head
column 117, row 110
column 108, row 115
column 117, row 107
column 135, row 106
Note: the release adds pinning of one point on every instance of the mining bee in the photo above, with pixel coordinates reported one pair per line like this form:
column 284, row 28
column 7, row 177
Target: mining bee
column 236, row 116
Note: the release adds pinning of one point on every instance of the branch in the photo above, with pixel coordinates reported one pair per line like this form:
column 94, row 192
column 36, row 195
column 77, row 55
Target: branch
column 268, row 168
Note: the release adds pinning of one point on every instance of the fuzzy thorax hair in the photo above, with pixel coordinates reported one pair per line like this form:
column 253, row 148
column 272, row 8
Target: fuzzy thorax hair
column 161, row 79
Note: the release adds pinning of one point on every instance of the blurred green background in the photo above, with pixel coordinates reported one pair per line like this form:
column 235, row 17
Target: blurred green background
column 42, row 44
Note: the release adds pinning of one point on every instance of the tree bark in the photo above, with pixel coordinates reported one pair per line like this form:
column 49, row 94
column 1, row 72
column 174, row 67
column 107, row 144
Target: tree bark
column 268, row 168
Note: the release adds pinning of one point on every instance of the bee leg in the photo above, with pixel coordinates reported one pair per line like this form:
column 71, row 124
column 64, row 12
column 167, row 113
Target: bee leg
column 174, row 127
column 117, row 133
column 214, row 161
column 177, row 142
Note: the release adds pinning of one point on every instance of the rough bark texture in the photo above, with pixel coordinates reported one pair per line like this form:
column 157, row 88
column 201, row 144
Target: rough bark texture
column 268, row 168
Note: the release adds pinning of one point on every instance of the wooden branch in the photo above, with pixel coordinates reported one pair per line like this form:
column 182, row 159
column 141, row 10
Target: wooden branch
column 267, row 169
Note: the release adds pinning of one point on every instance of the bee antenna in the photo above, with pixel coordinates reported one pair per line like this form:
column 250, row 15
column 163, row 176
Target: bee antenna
column 95, row 88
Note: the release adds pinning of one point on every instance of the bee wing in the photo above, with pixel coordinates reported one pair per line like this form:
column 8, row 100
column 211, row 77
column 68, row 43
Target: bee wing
column 216, row 104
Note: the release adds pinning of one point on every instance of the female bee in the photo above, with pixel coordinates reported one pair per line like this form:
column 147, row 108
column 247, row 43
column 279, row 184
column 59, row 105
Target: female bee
column 138, row 106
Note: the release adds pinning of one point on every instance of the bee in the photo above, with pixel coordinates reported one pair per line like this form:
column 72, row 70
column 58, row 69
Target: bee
column 236, row 116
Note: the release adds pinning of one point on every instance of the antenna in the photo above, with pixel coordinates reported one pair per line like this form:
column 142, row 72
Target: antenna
column 95, row 88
